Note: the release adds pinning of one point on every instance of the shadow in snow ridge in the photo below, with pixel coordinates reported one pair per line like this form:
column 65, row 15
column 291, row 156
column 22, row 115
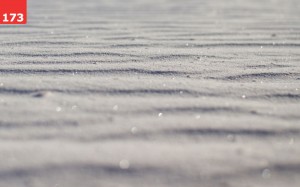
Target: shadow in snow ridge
column 91, row 169
column 183, row 92
column 94, row 71
column 224, row 132
column 76, row 54
column 259, row 76
column 166, row 134
column 190, row 132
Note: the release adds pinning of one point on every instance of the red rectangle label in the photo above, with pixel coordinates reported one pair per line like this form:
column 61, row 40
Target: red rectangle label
column 13, row 11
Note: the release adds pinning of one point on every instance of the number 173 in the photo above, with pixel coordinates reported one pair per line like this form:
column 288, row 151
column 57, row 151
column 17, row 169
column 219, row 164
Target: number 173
column 13, row 17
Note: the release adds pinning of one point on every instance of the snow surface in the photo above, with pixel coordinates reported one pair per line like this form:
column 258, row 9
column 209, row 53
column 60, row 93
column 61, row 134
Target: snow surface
column 151, row 93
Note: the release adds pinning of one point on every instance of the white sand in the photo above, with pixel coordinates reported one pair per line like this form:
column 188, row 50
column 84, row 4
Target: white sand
column 151, row 93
